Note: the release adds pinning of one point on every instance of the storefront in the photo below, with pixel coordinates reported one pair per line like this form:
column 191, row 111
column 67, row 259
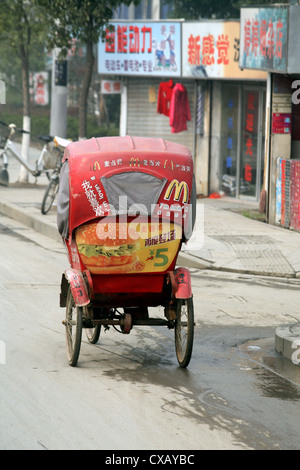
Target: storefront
column 269, row 42
column 146, row 55
column 242, row 139
column 223, row 126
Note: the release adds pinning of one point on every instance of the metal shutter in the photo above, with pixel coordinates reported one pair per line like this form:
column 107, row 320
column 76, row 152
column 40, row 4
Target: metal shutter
column 142, row 118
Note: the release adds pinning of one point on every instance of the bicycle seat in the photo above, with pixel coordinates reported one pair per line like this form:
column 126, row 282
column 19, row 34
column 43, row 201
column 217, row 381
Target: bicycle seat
column 46, row 138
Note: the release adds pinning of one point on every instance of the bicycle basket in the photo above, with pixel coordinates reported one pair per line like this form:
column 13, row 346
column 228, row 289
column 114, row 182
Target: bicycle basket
column 51, row 156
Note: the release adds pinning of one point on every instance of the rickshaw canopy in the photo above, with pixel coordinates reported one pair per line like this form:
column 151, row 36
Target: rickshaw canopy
column 125, row 175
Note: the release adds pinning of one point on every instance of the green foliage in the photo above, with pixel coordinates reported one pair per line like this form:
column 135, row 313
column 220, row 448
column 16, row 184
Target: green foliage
column 208, row 9
column 93, row 128
column 80, row 19
column 20, row 24
column 40, row 123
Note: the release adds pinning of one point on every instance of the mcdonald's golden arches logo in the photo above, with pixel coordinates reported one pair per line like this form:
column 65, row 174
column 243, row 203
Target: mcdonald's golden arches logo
column 96, row 166
column 134, row 162
column 166, row 164
column 179, row 189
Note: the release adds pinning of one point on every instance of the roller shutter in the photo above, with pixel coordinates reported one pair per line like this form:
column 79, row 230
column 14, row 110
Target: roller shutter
column 142, row 118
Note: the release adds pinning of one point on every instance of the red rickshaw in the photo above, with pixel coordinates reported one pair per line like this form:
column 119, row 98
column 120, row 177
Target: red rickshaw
column 125, row 206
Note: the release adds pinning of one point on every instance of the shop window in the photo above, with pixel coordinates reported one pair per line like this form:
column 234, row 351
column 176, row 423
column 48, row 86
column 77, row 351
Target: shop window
column 249, row 143
column 229, row 139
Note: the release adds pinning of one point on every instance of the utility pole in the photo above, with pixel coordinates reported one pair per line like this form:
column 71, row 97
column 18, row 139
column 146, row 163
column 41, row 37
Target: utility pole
column 59, row 95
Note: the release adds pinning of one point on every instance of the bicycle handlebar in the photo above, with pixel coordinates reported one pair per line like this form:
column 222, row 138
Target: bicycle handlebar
column 45, row 138
column 22, row 131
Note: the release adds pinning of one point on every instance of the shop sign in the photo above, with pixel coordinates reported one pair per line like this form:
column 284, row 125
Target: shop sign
column 40, row 88
column 281, row 123
column 211, row 49
column 141, row 48
column 111, row 87
column 264, row 43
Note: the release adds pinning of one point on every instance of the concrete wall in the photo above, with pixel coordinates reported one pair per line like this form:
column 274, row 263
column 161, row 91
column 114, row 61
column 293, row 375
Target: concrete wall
column 214, row 177
column 280, row 147
column 202, row 146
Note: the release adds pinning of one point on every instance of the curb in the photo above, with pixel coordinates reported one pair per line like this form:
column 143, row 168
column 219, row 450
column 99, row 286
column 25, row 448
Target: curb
column 32, row 221
column 287, row 342
column 190, row 261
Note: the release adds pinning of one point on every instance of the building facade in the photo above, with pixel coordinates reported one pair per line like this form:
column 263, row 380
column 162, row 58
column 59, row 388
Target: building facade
column 196, row 64
column 270, row 42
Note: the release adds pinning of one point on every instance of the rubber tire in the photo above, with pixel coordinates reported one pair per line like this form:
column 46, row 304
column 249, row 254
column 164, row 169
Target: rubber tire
column 93, row 334
column 73, row 324
column 184, row 331
column 49, row 196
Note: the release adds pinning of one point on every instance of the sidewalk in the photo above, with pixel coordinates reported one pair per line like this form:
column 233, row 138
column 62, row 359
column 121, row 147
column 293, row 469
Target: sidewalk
column 223, row 240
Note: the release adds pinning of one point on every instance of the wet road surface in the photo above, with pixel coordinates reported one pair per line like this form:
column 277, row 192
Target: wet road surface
column 128, row 391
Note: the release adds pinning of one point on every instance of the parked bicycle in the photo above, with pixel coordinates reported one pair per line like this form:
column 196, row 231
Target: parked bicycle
column 48, row 163
column 8, row 148
column 52, row 189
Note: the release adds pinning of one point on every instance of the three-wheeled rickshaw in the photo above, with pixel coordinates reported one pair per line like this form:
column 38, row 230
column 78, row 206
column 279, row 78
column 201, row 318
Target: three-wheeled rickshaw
column 125, row 206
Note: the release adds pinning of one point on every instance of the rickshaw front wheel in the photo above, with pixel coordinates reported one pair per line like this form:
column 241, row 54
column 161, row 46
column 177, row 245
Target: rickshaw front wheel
column 184, row 331
column 73, row 324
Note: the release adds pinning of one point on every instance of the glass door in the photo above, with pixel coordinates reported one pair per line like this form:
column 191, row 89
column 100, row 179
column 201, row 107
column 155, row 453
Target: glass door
column 242, row 140
column 251, row 145
column 229, row 139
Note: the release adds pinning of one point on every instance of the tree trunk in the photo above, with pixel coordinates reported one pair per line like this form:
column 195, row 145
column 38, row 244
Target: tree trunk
column 83, row 100
column 23, row 177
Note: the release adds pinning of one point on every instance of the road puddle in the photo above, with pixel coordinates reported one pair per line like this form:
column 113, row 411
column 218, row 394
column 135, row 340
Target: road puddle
column 277, row 376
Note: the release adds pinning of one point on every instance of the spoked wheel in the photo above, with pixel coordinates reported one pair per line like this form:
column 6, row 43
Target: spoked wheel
column 4, row 176
column 49, row 196
column 184, row 331
column 93, row 334
column 73, row 324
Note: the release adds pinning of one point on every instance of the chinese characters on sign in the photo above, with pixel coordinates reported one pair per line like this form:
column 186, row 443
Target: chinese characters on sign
column 39, row 88
column 109, row 87
column 230, row 127
column 250, row 141
column 211, row 49
column 281, row 123
column 141, row 49
column 205, row 47
column 264, row 38
column 229, row 138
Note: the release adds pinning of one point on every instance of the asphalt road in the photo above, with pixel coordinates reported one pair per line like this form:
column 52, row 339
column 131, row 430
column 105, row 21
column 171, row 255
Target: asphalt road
column 127, row 392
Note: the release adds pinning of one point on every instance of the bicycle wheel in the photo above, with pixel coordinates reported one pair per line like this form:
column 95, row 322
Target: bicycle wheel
column 73, row 324
column 4, row 176
column 93, row 334
column 184, row 331
column 49, row 196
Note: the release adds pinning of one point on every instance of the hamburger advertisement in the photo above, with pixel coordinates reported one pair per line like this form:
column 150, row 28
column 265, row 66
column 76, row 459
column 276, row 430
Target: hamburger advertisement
column 111, row 248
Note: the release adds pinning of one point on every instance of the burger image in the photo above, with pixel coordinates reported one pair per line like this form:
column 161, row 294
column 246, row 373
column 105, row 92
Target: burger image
column 106, row 249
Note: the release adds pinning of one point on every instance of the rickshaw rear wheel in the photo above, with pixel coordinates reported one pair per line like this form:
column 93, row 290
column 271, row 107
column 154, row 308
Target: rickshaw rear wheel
column 73, row 324
column 93, row 334
column 184, row 331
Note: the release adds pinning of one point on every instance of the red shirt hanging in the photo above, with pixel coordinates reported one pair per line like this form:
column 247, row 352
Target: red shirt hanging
column 179, row 109
column 164, row 97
